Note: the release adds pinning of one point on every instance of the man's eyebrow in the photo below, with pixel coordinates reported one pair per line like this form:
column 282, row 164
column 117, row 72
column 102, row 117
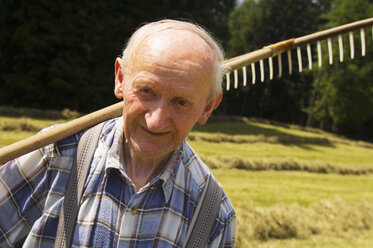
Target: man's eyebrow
column 142, row 82
column 186, row 93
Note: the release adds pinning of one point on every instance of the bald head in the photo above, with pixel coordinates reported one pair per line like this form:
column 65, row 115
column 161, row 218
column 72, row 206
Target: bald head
column 187, row 39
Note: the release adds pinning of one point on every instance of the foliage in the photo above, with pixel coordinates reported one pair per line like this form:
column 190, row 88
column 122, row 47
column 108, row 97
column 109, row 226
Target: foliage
column 60, row 54
column 344, row 92
column 255, row 24
column 335, row 98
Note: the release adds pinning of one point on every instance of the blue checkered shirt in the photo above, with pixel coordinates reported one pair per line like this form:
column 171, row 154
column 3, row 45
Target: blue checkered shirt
column 112, row 213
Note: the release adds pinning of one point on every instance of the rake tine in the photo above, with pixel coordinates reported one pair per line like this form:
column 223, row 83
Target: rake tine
column 330, row 51
column 228, row 80
column 352, row 48
column 261, row 65
column 279, row 60
column 299, row 55
column 309, row 55
column 235, row 79
column 289, row 62
column 340, row 44
column 362, row 36
column 270, row 62
column 244, row 76
column 253, row 73
column 319, row 53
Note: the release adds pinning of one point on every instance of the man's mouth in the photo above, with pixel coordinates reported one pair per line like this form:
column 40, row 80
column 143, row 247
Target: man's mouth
column 153, row 133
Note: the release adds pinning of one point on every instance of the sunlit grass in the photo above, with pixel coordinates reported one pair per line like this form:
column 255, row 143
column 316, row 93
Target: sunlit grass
column 7, row 138
column 254, row 140
column 337, row 153
column 13, row 129
column 268, row 188
column 299, row 199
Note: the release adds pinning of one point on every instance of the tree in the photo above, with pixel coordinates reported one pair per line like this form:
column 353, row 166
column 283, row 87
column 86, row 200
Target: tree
column 60, row 54
column 255, row 24
column 345, row 90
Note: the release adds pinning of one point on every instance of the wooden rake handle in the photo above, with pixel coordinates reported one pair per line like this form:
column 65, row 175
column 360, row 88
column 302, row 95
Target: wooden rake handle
column 59, row 132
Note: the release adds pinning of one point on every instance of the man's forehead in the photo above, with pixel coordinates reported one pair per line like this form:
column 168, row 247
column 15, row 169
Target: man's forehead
column 184, row 41
column 174, row 45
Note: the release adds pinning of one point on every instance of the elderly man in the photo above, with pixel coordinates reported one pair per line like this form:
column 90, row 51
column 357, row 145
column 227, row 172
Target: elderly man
column 144, row 180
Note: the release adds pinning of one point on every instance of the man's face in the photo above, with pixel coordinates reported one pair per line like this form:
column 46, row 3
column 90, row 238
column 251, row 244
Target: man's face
column 165, row 92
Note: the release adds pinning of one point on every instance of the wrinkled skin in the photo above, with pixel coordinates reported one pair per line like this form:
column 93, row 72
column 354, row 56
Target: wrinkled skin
column 166, row 89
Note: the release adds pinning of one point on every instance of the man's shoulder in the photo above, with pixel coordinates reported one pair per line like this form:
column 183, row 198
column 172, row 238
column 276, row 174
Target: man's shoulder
column 197, row 170
column 198, row 173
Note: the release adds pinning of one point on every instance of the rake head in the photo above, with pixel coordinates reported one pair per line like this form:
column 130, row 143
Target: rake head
column 277, row 49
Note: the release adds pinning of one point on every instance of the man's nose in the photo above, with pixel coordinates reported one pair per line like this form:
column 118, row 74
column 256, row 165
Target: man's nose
column 157, row 117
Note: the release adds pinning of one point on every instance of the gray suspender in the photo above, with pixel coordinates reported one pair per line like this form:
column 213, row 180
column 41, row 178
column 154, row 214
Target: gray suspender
column 205, row 214
column 199, row 229
column 70, row 208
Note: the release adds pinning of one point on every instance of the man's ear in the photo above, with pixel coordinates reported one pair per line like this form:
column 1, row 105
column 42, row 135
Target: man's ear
column 118, row 88
column 209, row 108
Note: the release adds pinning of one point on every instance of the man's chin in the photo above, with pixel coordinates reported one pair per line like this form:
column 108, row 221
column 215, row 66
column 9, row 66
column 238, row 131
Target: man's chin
column 152, row 151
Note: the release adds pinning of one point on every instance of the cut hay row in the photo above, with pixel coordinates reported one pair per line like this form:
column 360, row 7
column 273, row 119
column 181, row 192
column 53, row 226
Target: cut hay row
column 65, row 114
column 283, row 164
column 335, row 217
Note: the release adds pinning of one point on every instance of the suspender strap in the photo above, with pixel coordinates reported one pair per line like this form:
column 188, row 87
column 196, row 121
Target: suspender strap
column 201, row 223
column 204, row 215
column 70, row 208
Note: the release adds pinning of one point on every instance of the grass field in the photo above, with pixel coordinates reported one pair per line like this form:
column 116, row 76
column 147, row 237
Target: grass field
column 291, row 186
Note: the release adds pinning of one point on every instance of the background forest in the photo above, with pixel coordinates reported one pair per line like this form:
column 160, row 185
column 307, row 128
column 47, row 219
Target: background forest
column 60, row 54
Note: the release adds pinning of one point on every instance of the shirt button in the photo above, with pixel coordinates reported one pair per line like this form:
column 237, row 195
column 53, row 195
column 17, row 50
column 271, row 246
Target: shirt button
column 133, row 211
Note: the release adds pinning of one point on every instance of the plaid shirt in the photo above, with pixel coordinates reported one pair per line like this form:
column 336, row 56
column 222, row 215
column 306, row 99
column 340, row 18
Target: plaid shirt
column 112, row 213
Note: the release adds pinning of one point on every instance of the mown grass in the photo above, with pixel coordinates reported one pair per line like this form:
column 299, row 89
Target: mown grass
column 291, row 209
column 264, row 169
column 13, row 129
column 281, row 164
column 268, row 188
column 298, row 147
column 338, row 153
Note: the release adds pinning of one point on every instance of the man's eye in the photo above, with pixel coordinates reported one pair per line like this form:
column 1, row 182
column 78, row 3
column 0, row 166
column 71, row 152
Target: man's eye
column 145, row 90
column 181, row 102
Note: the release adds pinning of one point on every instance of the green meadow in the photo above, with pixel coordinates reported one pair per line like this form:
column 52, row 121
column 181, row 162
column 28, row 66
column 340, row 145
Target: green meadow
column 291, row 186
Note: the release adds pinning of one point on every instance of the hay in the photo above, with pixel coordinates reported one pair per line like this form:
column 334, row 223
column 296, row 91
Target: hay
column 288, row 164
column 334, row 217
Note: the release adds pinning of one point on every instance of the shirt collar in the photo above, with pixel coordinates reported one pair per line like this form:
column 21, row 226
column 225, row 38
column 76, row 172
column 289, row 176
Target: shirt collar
column 166, row 178
column 115, row 159
column 169, row 173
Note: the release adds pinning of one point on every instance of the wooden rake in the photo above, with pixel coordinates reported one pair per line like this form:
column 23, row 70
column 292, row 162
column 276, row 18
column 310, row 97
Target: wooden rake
column 277, row 49
column 232, row 65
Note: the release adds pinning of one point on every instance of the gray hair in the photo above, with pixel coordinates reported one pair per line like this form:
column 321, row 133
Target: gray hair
column 155, row 27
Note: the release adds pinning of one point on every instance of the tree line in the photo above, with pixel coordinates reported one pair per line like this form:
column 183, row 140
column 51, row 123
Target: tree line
column 336, row 98
column 60, row 54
